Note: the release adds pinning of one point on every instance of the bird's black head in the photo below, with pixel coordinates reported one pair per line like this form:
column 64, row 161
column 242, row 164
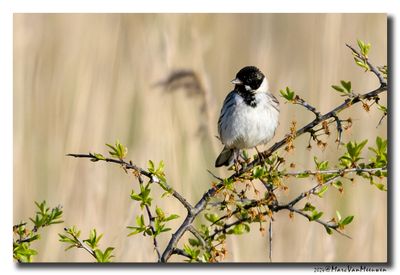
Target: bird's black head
column 250, row 77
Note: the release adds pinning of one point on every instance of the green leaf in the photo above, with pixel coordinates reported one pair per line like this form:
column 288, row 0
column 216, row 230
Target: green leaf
column 151, row 166
column 97, row 157
column 364, row 47
column 338, row 215
column 337, row 184
column 347, row 220
column 117, row 150
column 65, row 239
column 211, row 217
column 135, row 196
column 165, row 229
column 345, row 160
column 315, row 215
column 245, row 155
column 323, row 165
column 143, row 196
column 107, row 254
column 98, row 255
column 360, row 44
column 288, row 94
column 328, row 230
column 351, row 148
column 346, row 85
column 171, row 217
column 362, row 64
column 367, row 48
column 160, row 212
column 228, row 183
column 194, row 242
column 338, row 88
column 303, row 175
column 308, row 207
column 258, row 172
column 93, row 239
column 239, row 229
column 381, row 186
column 321, row 192
column 135, row 230
column 22, row 252
column 361, row 146
column 114, row 151
column 161, row 167
column 383, row 108
column 353, row 153
column 140, row 220
column 34, row 238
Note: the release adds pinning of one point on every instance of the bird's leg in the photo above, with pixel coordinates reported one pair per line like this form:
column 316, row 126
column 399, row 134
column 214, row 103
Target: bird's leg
column 244, row 155
column 236, row 155
column 260, row 155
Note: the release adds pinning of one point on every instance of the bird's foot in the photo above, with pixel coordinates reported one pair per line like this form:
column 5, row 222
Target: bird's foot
column 261, row 156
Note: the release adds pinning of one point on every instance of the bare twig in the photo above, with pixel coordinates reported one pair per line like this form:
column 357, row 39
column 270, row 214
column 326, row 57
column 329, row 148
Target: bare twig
column 214, row 176
column 336, row 171
column 380, row 121
column 267, row 185
column 339, row 129
column 298, row 100
column 309, row 192
column 270, row 241
column 197, row 235
column 181, row 252
column 372, row 68
column 26, row 240
column 325, row 224
column 153, row 178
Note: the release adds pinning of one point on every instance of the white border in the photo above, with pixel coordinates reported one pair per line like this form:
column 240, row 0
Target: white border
column 8, row 7
column 225, row 6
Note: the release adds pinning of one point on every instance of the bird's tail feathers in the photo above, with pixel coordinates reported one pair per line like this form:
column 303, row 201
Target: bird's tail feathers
column 226, row 157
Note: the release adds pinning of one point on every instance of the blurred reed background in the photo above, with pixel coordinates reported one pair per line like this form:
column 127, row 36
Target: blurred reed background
column 81, row 80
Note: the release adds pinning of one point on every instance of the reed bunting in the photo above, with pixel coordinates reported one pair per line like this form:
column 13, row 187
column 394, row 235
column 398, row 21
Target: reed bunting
column 249, row 115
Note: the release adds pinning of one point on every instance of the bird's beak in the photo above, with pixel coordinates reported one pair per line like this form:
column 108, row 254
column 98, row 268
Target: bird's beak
column 236, row 81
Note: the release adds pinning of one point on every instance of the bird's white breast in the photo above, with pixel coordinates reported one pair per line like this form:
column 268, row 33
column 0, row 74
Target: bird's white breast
column 244, row 126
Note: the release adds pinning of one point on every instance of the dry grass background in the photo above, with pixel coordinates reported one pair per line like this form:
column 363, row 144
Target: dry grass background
column 81, row 80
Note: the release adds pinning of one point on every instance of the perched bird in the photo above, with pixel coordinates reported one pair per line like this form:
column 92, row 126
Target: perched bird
column 249, row 115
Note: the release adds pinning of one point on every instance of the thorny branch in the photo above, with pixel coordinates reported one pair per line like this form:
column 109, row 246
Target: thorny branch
column 141, row 171
column 309, row 192
column 336, row 171
column 339, row 129
column 298, row 100
column 194, row 211
column 325, row 224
